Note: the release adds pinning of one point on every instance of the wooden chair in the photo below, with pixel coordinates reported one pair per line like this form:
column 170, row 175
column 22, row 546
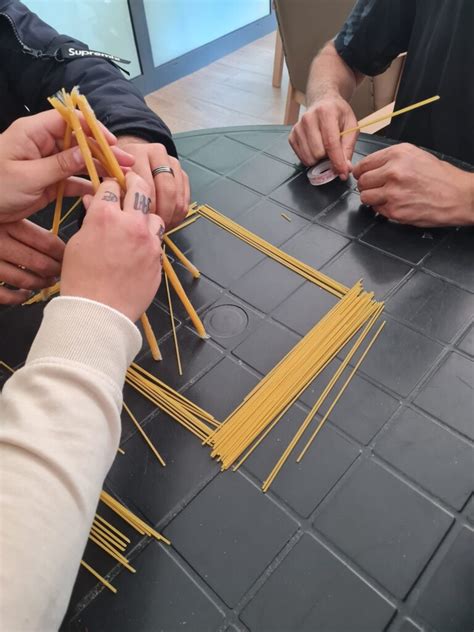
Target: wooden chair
column 304, row 27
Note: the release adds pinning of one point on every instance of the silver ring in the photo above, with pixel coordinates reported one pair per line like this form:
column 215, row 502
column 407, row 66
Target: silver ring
column 158, row 170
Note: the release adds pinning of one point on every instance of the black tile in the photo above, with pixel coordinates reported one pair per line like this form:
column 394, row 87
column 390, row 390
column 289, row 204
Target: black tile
column 470, row 510
column 302, row 485
column 150, row 489
column 453, row 259
column 404, row 625
column 44, row 217
column 201, row 292
column 467, row 342
column 99, row 560
column 20, row 326
column 368, row 144
column 384, row 526
column 160, row 596
column 281, row 149
column 399, row 358
column 267, row 285
column 447, row 603
column 222, row 389
column 222, row 155
column 259, row 140
column 362, row 410
column 312, row 590
column 213, row 534
column 305, row 307
column 263, row 174
column 230, row 198
column 432, row 305
column 430, row 455
column 267, row 219
column 196, row 356
column 378, row 272
column 264, row 348
column 219, row 255
column 315, row 245
column 348, row 216
column 187, row 145
column 448, row 395
column 303, row 198
column 407, row 242
column 229, row 321
column 199, row 178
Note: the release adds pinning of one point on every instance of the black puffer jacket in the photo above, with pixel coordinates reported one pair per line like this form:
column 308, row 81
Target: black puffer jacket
column 33, row 67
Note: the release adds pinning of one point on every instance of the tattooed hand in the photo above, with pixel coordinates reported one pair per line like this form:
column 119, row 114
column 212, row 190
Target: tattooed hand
column 115, row 258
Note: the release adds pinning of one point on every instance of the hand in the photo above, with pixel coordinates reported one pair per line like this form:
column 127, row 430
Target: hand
column 171, row 198
column 115, row 258
column 36, row 250
column 32, row 163
column 411, row 186
column 317, row 134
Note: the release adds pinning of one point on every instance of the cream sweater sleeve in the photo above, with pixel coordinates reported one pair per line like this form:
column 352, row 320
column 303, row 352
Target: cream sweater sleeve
column 59, row 433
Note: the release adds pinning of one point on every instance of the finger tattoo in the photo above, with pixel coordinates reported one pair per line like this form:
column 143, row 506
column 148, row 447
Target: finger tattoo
column 142, row 203
column 110, row 197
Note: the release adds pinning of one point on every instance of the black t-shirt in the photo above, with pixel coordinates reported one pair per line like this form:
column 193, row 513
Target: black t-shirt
column 438, row 36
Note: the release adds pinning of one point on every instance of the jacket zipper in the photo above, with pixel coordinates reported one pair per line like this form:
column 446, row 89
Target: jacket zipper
column 26, row 49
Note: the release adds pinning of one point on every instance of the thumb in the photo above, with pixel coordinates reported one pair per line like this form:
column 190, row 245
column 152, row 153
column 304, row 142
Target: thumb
column 47, row 171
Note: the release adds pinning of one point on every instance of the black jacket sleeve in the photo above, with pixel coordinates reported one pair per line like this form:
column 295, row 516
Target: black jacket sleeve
column 33, row 69
column 375, row 33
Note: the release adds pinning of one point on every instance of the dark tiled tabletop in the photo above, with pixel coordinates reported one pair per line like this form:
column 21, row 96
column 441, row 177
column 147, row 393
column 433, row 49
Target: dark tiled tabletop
column 373, row 530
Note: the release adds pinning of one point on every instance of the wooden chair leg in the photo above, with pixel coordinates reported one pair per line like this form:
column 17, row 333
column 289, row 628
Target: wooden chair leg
column 277, row 61
column 292, row 108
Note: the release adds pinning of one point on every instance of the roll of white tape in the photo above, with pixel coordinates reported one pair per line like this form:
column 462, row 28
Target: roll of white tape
column 321, row 173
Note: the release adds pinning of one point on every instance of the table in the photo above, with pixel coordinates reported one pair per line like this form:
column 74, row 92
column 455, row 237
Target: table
column 374, row 530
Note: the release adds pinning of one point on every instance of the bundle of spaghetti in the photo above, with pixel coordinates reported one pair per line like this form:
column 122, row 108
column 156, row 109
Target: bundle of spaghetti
column 282, row 386
column 110, row 540
column 309, row 418
column 182, row 410
column 303, row 269
column 133, row 520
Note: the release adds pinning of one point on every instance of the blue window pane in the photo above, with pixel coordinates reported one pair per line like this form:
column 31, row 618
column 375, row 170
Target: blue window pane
column 179, row 26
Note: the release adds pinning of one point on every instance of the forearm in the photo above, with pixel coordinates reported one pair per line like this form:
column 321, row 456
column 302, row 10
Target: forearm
column 60, row 431
column 330, row 76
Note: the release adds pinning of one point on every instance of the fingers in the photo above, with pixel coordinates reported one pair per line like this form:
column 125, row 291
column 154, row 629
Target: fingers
column 166, row 186
column 107, row 197
column 137, row 197
column 24, row 279
column 330, row 132
column 78, row 187
column 38, row 239
column 300, row 145
column 156, row 226
column 374, row 197
column 373, row 179
column 47, row 171
column 348, row 142
column 13, row 297
column 372, row 161
column 182, row 193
